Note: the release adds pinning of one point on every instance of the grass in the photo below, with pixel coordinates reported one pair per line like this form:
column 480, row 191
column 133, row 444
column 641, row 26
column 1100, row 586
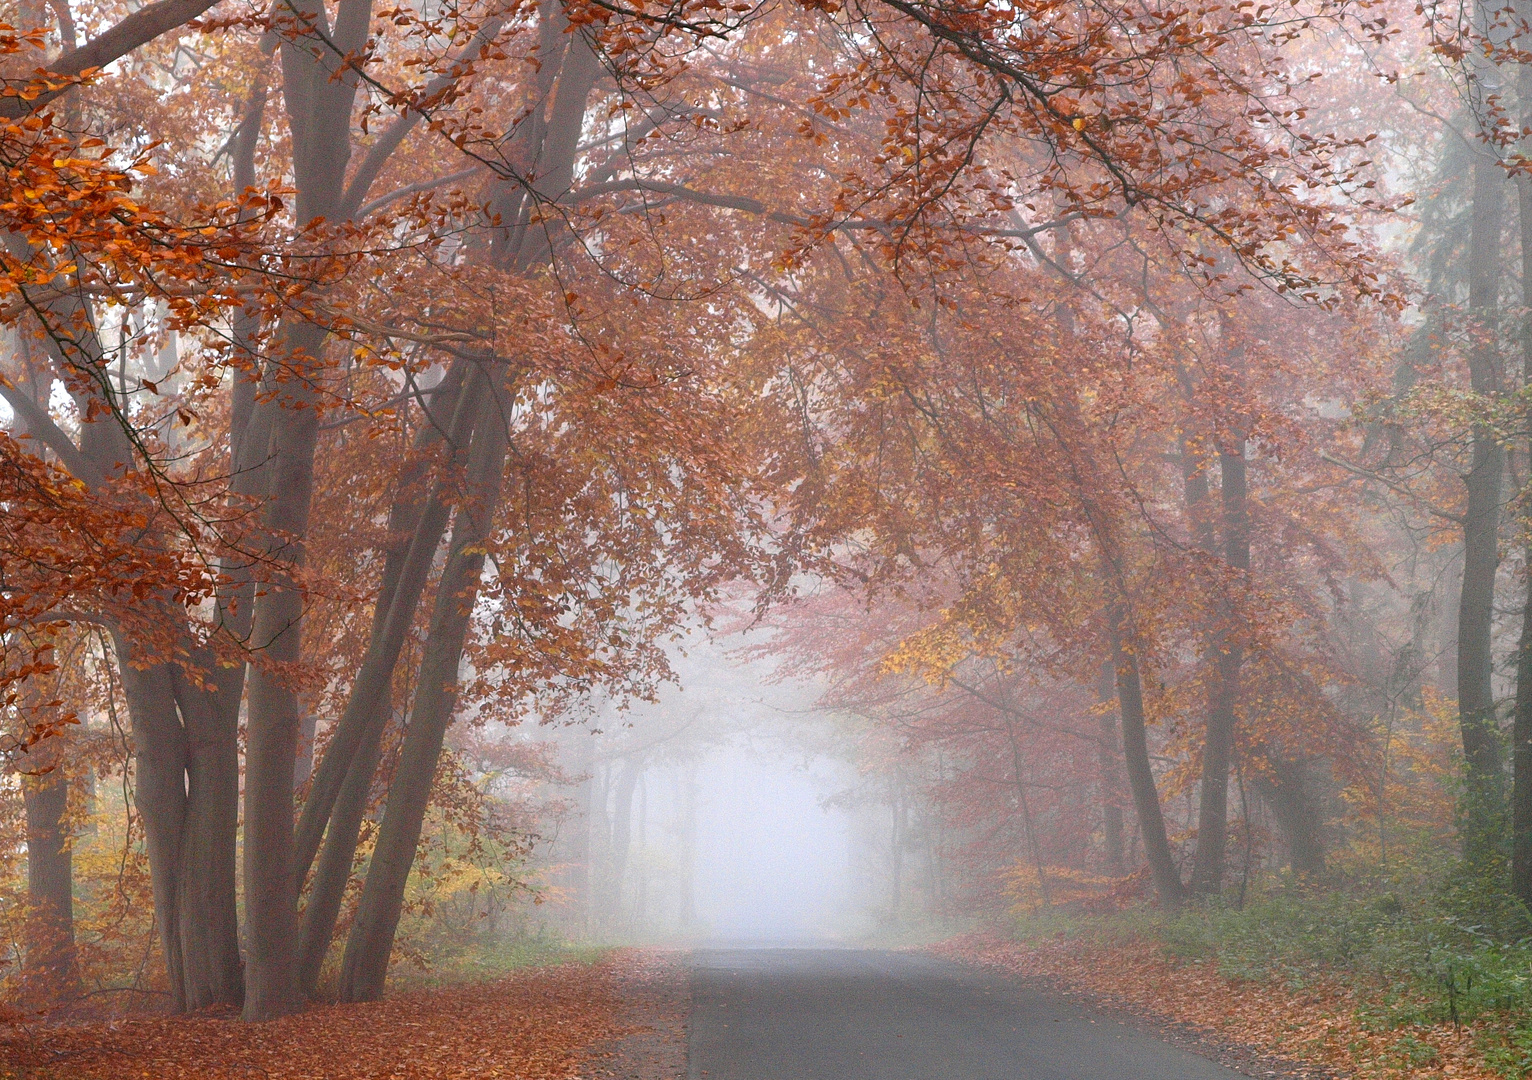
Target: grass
column 492, row 958
column 1453, row 951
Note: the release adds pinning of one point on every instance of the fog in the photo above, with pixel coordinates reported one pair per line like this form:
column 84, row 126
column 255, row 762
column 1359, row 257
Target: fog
column 728, row 810
column 773, row 860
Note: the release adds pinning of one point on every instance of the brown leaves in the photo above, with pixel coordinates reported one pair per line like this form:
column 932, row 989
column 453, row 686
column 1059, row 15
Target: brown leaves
column 1316, row 1025
column 536, row 1025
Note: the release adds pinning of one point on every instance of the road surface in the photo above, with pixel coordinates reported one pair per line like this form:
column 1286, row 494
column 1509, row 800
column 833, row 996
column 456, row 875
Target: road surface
column 852, row 1014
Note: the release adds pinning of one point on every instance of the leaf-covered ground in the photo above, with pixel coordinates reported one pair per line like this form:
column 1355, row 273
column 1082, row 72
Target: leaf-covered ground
column 564, row 1021
column 1316, row 1028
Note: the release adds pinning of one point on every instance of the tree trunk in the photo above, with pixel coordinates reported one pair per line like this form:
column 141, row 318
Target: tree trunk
column 1521, row 728
column 1213, row 806
column 1481, row 524
column 1109, row 763
column 621, row 845
column 50, row 967
column 159, row 793
column 1146, row 798
column 364, row 966
column 357, row 746
column 1296, row 806
column 275, row 713
column 415, row 528
column 213, row 972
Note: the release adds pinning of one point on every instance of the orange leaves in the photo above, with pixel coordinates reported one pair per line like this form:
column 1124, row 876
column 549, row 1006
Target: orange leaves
column 536, row 1025
column 1318, row 1022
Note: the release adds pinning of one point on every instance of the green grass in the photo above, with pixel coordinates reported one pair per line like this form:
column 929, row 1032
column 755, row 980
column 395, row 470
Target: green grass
column 1453, row 951
column 493, row 959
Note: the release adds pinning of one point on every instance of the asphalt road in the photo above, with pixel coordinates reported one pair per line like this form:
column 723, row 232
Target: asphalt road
column 850, row 1014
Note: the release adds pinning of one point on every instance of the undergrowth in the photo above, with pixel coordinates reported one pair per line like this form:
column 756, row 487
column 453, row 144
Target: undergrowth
column 1420, row 952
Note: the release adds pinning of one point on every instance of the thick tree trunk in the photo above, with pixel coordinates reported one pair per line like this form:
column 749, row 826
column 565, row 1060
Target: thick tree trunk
column 1481, row 525
column 159, row 793
column 1146, row 798
column 275, row 713
column 1217, row 748
column 370, row 944
column 50, row 968
column 1295, row 804
column 205, row 889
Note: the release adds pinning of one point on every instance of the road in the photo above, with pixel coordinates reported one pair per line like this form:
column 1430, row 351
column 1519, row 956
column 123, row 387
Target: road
column 852, row 1014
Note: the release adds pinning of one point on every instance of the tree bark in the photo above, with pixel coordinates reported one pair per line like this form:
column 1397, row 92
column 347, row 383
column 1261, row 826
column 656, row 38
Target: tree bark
column 1481, row 524
column 50, row 966
column 1146, row 798
column 364, row 966
column 415, row 528
column 1521, row 726
column 355, row 751
column 1109, row 764
column 1217, row 748
column 159, row 793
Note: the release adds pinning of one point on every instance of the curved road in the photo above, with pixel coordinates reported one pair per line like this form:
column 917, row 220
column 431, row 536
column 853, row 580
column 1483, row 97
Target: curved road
column 850, row 1014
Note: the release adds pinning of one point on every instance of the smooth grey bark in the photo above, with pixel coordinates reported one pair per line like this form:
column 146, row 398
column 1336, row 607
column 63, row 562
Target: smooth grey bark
column 1228, row 657
column 1481, row 522
column 159, row 795
column 415, row 528
column 1146, row 798
column 318, row 92
column 50, row 967
column 370, row 944
column 1109, row 765
column 356, row 748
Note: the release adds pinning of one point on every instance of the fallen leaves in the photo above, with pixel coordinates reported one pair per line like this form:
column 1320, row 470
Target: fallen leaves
column 1314, row 1026
column 537, row 1025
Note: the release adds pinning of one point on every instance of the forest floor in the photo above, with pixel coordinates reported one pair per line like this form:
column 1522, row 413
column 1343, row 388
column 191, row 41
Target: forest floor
column 1317, row 1030
column 618, row 1017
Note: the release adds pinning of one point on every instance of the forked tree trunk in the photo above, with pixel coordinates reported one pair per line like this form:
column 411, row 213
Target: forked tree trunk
column 364, row 966
column 1146, row 797
column 354, row 752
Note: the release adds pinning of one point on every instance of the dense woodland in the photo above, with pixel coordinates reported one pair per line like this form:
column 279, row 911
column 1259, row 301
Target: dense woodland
column 1120, row 410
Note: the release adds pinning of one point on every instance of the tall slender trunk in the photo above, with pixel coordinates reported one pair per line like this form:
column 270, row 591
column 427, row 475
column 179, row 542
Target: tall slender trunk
column 357, row 745
column 1521, row 731
column 1109, row 766
column 415, row 528
column 364, row 966
column 1146, row 798
column 621, row 844
column 1229, row 653
column 1481, row 525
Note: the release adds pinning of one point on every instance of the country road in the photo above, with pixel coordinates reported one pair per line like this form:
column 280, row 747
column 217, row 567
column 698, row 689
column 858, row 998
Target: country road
column 851, row 1014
